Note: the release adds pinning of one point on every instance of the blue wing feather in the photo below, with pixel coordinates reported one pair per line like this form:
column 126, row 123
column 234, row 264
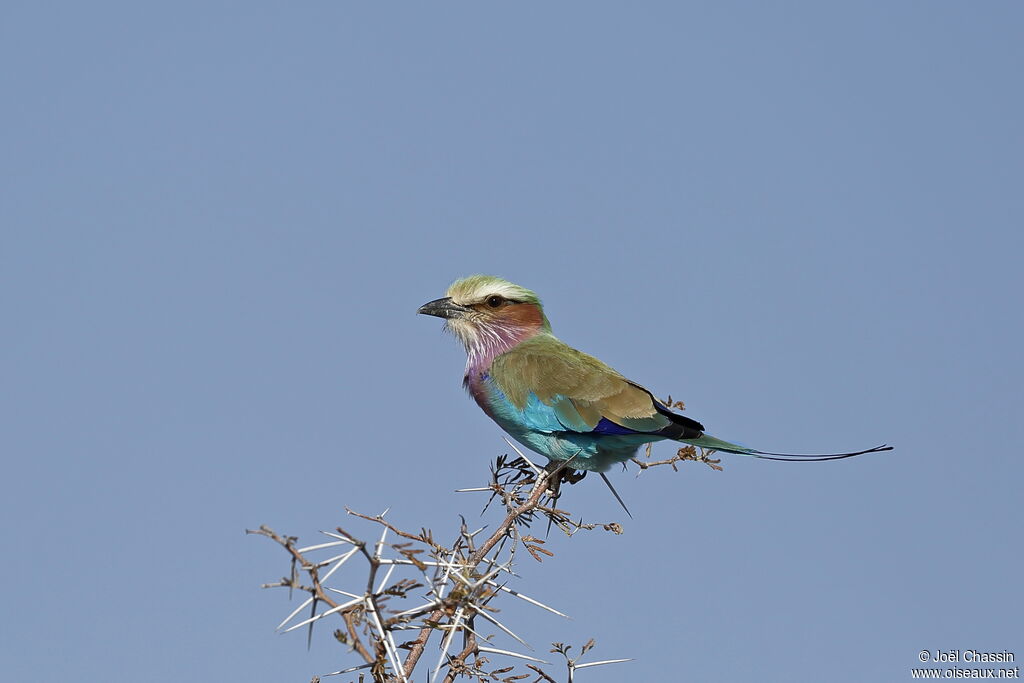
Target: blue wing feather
column 543, row 417
column 557, row 430
column 606, row 426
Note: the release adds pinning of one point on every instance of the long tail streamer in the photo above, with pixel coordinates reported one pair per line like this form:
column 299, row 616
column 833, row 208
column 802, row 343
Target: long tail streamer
column 712, row 443
column 796, row 457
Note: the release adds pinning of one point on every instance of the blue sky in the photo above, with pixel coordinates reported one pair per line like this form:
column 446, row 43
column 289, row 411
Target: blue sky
column 803, row 219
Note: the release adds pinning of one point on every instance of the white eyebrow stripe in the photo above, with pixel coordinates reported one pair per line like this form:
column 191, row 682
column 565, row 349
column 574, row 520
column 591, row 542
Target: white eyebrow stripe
column 483, row 291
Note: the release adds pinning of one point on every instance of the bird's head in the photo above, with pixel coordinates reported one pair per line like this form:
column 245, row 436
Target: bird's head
column 488, row 315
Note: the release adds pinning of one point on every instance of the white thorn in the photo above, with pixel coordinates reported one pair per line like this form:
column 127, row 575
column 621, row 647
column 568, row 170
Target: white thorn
column 323, row 614
column 329, row 560
column 384, row 581
column 447, row 642
column 447, row 572
column 606, row 661
column 422, row 608
column 347, row 671
column 380, row 544
column 528, row 461
column 503, row 567
column 345, row 558
column 398, row 660
column 461, row 579
column 297, row 610
column 486, row 577
column 320, row 546
column 389, row 645
column 508, row 653
column 475, row 633
column 528, row 599
column 497, row 623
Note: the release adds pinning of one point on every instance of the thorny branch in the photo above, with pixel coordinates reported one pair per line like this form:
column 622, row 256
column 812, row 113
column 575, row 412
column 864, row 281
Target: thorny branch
column 461, row 579
column 683, row 454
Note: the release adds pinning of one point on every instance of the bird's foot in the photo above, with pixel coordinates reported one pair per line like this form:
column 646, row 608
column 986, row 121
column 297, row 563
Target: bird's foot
column 560, row 474
column 573, row 476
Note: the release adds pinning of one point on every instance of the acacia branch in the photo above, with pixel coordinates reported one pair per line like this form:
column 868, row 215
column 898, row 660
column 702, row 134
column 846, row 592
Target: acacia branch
column 461, row 579
column 507, row 525
column 316, row 590
column 683, row 454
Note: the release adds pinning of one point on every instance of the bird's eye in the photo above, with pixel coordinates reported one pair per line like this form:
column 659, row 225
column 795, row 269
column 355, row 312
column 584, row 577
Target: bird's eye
column 495, row 301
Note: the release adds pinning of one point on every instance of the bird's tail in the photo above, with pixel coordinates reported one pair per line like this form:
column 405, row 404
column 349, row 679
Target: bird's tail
column 713, row 444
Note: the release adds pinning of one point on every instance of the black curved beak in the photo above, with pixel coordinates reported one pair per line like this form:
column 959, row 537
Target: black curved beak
column 443, row 308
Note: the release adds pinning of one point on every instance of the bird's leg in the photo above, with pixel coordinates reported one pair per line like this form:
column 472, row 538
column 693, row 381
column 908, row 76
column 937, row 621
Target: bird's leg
column 555, row 471
column 559, row 473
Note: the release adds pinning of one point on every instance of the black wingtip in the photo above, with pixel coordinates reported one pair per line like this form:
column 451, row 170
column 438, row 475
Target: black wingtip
column 795, row 457
column 616, row 494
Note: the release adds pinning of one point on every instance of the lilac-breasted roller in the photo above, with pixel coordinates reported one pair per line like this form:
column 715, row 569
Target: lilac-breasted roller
column 553, row 399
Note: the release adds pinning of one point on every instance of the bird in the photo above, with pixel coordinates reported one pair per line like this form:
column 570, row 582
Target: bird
column 556, row 400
